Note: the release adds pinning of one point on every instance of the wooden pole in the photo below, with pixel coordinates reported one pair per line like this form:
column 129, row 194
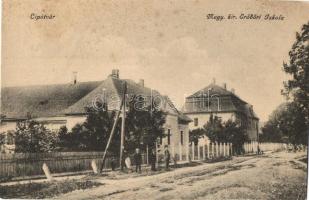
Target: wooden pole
column 123, row 122
column 112, row 132
column 110, row 138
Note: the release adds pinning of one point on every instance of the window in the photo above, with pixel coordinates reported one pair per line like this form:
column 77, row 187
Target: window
column 181, row 137
column 195, row 121
column 168, row 136
column 9, row 139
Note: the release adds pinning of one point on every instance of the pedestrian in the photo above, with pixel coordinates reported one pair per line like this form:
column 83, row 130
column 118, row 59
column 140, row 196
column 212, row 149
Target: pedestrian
column 167, row 157
column 138, row 160
column 153, row 159
column 113, row 163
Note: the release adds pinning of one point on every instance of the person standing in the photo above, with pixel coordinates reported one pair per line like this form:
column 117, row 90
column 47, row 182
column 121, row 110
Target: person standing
column 167, row 158
column 138, row 160
column 153, row 159
column 113, row 163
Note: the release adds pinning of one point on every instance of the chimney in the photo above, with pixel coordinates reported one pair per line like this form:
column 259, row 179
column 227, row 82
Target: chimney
column 115, row 73
column 141, row 82
column 233, row 90
column 214, row 81
column 224, row 86
column 74, row 78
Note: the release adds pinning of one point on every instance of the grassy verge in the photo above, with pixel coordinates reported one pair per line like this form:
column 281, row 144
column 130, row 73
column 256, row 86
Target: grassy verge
column 45, row 189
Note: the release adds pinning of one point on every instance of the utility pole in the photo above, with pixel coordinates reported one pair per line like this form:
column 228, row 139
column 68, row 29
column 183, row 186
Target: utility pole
column 123, row 122
column 113, row 130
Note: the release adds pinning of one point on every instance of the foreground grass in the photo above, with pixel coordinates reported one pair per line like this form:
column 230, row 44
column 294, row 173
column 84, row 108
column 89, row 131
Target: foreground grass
column 44, row 189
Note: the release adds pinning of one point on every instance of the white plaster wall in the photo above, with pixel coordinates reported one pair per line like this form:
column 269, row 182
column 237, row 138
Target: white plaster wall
column 7, row 126
column 203, row 118
column 51, row 123
column 73, row 120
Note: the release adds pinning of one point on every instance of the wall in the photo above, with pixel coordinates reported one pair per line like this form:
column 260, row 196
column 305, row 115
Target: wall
column 51, row 123
column 176, row 128
column 7, row 126
column 203, row 118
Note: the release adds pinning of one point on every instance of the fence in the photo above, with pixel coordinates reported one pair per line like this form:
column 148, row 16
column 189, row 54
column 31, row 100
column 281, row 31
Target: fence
column 252, row 147
column 30, row 164
column 197, row 152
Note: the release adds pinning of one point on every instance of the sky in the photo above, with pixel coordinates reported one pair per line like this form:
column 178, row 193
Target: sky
column 170, row 44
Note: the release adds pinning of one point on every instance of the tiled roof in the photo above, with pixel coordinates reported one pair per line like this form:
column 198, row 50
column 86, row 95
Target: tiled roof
column 44, row 100
column 228, row 102
column 69, row 99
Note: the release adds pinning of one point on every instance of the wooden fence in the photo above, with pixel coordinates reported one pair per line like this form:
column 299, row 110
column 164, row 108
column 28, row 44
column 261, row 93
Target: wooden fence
column 30, row 164
column 198, row 152
column 252, row 147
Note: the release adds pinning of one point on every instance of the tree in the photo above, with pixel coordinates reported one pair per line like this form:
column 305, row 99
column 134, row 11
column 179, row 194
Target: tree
column 32, row 136
column 214, row 128
column 235, row 133
column 92, row 135
column 144, row 125
column 271, row 133
column 2, row 138
column 229, row 131
column 286, row 124
column 298, row 68
column 196, row 134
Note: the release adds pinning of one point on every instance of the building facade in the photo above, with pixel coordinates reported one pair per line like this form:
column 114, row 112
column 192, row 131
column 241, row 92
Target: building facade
column 64, row 105
column 218, row 101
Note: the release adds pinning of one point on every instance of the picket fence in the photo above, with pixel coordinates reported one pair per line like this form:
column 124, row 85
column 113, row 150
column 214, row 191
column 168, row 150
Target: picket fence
column 197, row 152
column 252, row 147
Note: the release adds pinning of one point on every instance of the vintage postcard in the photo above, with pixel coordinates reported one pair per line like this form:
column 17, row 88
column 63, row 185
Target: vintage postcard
column 154, row 99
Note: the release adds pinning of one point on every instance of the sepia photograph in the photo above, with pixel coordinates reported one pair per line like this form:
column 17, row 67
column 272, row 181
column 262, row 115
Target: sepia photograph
column 154, row 99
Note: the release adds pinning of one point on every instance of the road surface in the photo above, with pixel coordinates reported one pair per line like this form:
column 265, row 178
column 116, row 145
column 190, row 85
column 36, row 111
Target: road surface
column 269, row 176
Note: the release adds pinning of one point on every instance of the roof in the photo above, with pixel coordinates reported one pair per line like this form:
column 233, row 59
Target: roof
column 43, row 100
column 213, row 89
column 72, row 99
column 228, row 102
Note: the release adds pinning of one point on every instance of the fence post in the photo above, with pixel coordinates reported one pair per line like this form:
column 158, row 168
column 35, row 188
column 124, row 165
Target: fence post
column 228, row 149
column 204, row 151
column 157, row 154
column 47, row 172
column 208, row 150
column 180, row 152
column 193, row 151
column 198, row 152
column 221, row 149
column 213, row 150
column 216, row 148
column 94, row 166
column 187, row 151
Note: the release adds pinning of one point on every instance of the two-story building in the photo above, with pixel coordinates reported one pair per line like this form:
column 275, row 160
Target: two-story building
column 219, row 101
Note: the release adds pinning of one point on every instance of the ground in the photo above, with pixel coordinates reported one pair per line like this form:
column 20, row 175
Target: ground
column 278, row 175
column 271, row 176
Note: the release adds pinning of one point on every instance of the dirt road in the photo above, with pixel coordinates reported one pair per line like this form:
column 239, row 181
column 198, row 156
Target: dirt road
column 270, row 176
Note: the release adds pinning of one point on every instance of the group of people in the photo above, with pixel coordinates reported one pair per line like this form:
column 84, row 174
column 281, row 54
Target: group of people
column 137, row 158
